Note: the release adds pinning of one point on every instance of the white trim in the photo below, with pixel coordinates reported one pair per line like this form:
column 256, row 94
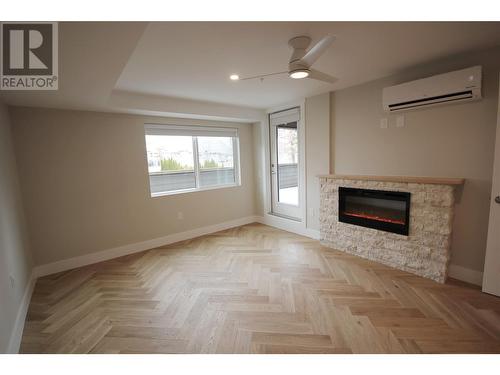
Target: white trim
column 289, row 115
column 162, row 129
column 194, row 190
column 189, row 130
column 99, row 256
column 301, row 104
column 280, row 208
column 17, row 331
column 465, row 274
column 237, row 156
column 285, row 106
column 491, row 274
column 302, row 164
column 289, row 225
column 196, row 163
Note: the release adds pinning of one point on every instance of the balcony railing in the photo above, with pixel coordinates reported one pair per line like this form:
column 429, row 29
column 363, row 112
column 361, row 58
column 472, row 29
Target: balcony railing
column 181, row 180
column 288, row 175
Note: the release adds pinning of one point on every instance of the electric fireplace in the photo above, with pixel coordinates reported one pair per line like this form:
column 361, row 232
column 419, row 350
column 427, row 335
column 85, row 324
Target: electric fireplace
column 378, row 209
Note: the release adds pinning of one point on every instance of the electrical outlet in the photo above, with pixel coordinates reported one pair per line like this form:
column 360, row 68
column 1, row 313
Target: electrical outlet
column 180, row 215
column 400, row 121
column 12, row 282
column 383, row 123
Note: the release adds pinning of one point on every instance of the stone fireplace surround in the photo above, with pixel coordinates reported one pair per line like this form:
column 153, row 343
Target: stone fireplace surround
column 424, row 252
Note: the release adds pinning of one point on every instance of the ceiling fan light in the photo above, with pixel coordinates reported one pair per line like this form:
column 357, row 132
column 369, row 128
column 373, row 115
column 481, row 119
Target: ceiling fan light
column 299, row 73
column 234, row 77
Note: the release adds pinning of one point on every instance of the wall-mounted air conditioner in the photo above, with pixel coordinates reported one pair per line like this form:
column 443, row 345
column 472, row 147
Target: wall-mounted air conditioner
column 458, row 86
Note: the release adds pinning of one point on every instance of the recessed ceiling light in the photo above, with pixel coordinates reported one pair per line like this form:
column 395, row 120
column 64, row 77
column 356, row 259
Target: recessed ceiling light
column 299, row 73
column 234, row 77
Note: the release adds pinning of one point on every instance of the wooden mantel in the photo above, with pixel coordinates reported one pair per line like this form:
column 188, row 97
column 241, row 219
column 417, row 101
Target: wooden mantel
column 407, row 179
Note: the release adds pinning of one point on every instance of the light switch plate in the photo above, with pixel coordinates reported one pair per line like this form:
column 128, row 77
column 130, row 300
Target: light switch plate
column 383, row 123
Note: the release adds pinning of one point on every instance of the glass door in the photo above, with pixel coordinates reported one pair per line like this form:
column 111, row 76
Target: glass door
column 284, row 142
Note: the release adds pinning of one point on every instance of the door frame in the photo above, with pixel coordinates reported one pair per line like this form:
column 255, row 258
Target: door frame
column 275, row 120
column 491, row 278
column 296, row 224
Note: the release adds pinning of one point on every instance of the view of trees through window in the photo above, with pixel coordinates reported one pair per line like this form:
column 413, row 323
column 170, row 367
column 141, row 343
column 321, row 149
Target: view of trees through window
column 287, row 158
column 169, row 153
column 287, row 145
column 215, row 152
column 171, row 164
column 175, row 153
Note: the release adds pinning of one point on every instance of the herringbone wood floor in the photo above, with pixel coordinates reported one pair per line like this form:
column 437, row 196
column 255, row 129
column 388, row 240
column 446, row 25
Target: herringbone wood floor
column 255, row 289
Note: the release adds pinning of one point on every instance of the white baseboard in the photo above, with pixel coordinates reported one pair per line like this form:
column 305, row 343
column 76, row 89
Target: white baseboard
column 17, row 331
column 457, row 272
column 99, row 256
column 296, row 227
column 465, row 274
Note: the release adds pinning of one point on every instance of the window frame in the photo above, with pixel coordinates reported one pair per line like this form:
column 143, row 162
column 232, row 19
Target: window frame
column 195, row 131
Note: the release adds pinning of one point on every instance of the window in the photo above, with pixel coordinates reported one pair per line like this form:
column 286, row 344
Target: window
column 189, row 158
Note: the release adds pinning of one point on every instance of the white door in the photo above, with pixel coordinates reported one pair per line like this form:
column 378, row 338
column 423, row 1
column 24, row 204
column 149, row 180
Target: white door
column 285, row 181
column 491, row 278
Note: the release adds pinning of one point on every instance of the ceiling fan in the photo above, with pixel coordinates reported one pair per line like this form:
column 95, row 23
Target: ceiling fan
column 301, row 60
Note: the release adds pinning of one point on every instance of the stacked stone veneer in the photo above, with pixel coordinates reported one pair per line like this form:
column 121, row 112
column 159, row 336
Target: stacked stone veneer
column 425, row 251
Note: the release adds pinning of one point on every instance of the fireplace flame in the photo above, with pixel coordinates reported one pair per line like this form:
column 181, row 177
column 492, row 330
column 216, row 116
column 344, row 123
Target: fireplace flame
column 375, row 217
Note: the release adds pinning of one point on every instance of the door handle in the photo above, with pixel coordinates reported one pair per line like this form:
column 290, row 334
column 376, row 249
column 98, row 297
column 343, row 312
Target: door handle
column 497, row 199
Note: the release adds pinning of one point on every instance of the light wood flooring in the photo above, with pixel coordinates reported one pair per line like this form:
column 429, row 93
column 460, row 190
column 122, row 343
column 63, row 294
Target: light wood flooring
column 255, row 289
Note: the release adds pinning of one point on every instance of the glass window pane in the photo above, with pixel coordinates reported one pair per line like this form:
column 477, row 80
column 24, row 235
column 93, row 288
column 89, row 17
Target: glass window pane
column 287, row 155
column 216, row 164
column 170, row 163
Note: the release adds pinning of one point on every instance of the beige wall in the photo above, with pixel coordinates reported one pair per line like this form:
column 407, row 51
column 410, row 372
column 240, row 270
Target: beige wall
column 15, row 258
column 450, row 141
column 317, row 119
column 85, row 183
column 259, row 169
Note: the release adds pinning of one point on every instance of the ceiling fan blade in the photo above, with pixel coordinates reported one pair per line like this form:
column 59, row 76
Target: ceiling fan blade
column 317, row 50
column 320, row 76
column 261, row 76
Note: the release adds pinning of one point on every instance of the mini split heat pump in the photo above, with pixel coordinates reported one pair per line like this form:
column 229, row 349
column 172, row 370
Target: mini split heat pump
column 453, row 87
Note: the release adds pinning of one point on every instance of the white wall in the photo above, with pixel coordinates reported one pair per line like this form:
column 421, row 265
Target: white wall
column 444, row 141
column 15, row 258
column 85, row 183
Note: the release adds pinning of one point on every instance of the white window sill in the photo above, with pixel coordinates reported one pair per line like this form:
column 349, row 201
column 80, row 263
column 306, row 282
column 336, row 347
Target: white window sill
column 194, row 190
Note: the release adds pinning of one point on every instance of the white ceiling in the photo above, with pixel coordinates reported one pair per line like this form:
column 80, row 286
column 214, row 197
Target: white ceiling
column 92, row 56
column 194, row 60
column 170, row 61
